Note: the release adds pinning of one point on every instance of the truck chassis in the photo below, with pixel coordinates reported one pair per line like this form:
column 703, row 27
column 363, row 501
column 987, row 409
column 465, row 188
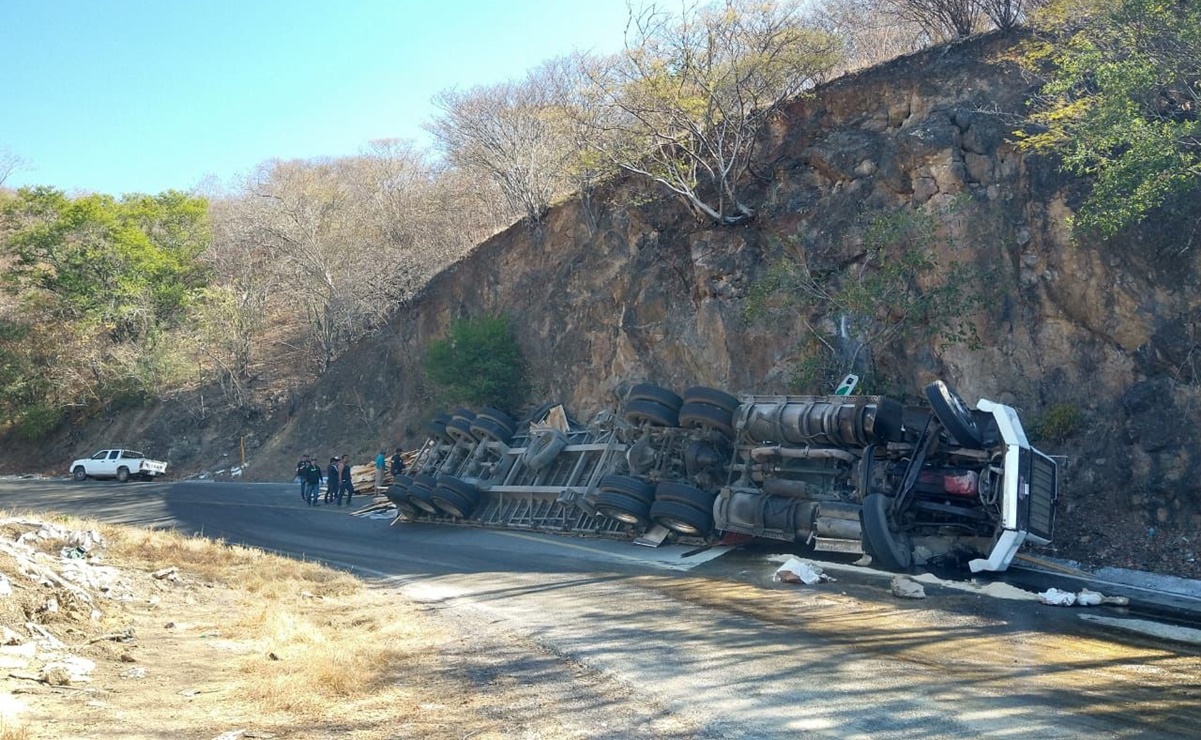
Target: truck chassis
column 851, row 474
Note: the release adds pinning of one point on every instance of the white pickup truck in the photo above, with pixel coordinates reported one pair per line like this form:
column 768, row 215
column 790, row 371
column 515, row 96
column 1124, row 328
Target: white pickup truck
column 119, row 464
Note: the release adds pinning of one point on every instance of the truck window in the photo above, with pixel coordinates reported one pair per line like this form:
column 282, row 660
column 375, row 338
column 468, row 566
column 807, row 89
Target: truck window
column 113, row 455
column 130, row 455
column 100, row 455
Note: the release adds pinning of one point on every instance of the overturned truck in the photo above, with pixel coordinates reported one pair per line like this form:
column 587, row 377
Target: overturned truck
column 852, row 474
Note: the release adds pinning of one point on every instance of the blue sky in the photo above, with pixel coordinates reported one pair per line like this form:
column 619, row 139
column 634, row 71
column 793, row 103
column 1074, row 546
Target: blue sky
column 118, row 96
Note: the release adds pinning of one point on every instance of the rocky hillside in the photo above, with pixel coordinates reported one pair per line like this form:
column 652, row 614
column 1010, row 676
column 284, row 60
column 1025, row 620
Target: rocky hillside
column 1093, row 343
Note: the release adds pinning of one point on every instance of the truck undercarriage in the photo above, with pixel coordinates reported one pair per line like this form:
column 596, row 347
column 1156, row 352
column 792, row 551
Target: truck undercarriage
column 853, row 474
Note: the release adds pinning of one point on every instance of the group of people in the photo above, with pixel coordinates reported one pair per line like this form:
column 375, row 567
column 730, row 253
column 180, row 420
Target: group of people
column 337, row 477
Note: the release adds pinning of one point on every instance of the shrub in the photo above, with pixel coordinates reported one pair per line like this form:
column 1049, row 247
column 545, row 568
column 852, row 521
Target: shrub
column 478, row 363
column 1057, row 423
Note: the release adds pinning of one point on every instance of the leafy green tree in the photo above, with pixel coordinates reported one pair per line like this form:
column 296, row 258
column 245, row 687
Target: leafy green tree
column 1121, row 103
column 479, row 362
column 95, row 287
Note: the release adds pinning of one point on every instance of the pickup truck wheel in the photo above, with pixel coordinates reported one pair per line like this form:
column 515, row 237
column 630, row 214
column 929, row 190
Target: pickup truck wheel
column 890, row 549
column 654, row 413
column 79, row 473
column 122, row 474
column 623, row 508
column 648, row 392
column 954, row 415
column 695, row 415
column 712, row 397
column 682, row 518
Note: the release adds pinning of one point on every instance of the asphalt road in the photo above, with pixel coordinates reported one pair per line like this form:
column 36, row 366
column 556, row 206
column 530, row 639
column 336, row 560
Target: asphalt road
column 709, row 636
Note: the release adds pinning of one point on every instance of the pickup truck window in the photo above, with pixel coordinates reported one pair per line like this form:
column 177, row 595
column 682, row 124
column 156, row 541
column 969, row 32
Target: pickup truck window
column 113, row 455
column 100, row 455
column 130, row 455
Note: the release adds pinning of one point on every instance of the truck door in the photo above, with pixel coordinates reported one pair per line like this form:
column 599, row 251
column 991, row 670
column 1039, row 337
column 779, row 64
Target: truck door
column 108, row 466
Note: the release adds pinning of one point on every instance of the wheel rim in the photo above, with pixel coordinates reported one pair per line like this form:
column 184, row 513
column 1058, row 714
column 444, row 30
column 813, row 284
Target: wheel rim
column 677, row 525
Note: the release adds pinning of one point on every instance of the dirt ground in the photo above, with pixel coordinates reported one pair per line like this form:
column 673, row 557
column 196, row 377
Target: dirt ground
column 124, row 633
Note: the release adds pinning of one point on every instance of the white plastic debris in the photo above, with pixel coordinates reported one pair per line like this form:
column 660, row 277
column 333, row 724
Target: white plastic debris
column 1055, row 597
column 904, row 587
column 800, row 571
column 1089, row 598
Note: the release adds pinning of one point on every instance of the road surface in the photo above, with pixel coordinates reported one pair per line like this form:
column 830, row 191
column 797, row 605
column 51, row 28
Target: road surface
column 707, row 635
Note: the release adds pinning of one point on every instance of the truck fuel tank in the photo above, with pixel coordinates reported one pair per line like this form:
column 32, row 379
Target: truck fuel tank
column 821, row 421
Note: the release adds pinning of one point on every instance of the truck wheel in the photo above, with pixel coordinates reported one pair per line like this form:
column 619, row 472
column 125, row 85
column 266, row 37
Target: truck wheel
column 623, row 508
column 419, row 496
column 499, row 418
column 703, row 416
column 452, row 502
column 682, row 493
column 682, row 518
column 459, row 429
column 891, row 550
column 79, row 473
column 651, row 412
column 954, row 415
column 543, row 447
column 437, row 427
column 630, row 486
column 649, row 392
column 484, row 428
column 712, row 397
column 122, row 474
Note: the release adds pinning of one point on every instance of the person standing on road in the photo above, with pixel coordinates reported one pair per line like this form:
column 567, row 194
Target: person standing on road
column 312, row 478
column 347, row 484
column 381, row 464
column 333, row 480
column 398, row 464
column 301, row 467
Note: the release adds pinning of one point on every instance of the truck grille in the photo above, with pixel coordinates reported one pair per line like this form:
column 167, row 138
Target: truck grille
column 1044, row 482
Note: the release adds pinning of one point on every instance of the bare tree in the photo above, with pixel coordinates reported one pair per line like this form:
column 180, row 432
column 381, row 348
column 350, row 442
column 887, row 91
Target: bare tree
column 512, row 133
column 1008, row 13
column 941, row 19
column 686, row 100
column 869, row 30
column 9, row 163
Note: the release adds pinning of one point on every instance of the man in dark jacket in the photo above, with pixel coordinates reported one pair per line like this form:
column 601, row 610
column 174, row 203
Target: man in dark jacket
column 333, row 480
column 301, row 467
column 347, row 485
column 312, row 479
column 398, row 464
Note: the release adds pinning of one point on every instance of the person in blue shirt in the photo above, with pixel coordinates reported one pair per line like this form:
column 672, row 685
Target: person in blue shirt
column 381, row 464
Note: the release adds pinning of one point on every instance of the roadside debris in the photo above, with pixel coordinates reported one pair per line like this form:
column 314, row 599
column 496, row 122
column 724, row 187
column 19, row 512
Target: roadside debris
column 801, row 571
column 904, row 587
column 1057, row 597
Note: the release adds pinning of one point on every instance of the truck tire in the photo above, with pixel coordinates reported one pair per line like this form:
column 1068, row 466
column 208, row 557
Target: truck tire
column 649, row 392
column 682, row 518
column 484, row 428
column 543, row 448
column 712, row 397
column 499, row 418
column 420, row 497
column 695, row 415
column 452, row 502
column 459, row 486
column 122, row 474
column 954, row 415
column 641, row 410
column 682, row 493
column 623, row 508
column 79, row 473
column 630, row 486
column 890, row 550
column 437, row 427
column 459, row 430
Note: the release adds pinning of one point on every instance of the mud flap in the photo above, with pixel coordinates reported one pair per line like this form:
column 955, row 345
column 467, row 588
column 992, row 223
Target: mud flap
column 653, row 536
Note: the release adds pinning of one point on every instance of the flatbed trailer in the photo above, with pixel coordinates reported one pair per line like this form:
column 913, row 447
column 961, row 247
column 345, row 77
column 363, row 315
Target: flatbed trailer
column 838, row 473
